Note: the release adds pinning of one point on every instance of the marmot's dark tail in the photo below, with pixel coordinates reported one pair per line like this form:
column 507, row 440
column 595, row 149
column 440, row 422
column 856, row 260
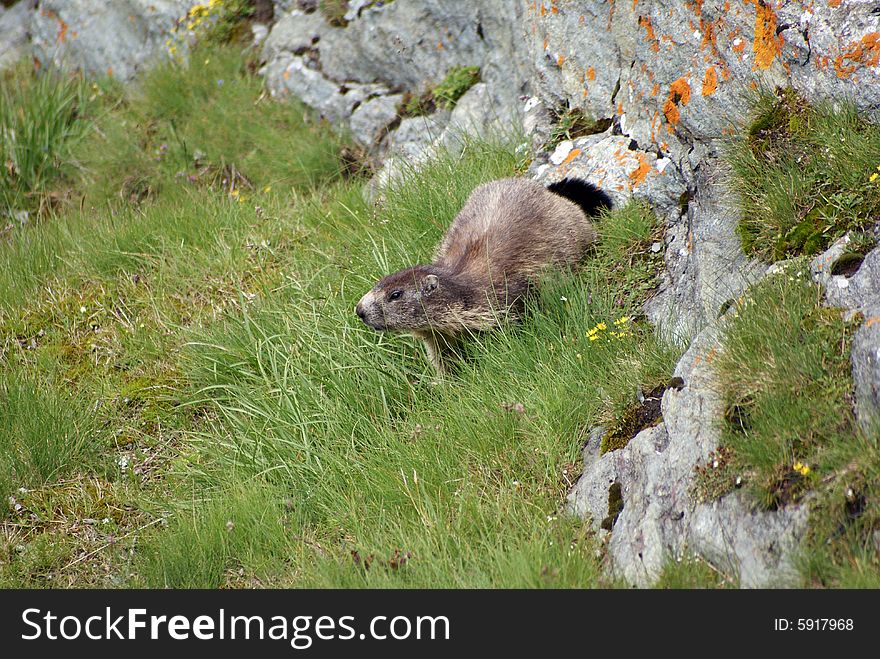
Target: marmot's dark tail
column 586, row 195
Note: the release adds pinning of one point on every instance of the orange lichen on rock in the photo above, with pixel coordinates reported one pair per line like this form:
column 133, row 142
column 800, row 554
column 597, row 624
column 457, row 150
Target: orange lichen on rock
column 679, row 93
column 574, row 153
column 865, row 52
column 639, row 175
column 710, row 82
column 834, row 4
column 591, row 74
column 560, row 60
column 645, row 22
column 767, row 44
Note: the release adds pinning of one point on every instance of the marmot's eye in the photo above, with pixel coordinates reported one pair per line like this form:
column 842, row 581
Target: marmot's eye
column 395, row 295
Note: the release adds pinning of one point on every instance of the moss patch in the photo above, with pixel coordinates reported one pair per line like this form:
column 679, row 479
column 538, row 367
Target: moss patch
column 644, row 415
column 615, row 506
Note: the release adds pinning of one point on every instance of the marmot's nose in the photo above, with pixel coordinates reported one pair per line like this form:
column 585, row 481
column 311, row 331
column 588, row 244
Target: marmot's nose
column 359, row 310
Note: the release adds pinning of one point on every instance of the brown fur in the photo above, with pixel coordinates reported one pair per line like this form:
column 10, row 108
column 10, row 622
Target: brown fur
column 507, row 234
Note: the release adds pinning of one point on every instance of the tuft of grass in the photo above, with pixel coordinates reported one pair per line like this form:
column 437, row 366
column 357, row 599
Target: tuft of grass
column 44, row 434
column 785, row 374
column 236, row 537
column 805, row 175
column 444, row 95
column 690, row 573
column 457, row 81
column 334, row 11
column 42, row 116
column 571, row 123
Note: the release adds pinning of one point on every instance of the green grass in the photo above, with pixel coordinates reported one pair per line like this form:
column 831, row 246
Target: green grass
column 690, row 573
column 789, row 430
column 43, row 433
column 183, row 343
column 41, row 118
column 373, row 456
column 334, row 11
column 804, row 175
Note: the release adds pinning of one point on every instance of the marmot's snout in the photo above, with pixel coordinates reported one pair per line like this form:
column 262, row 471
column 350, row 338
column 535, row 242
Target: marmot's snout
column 370, row 312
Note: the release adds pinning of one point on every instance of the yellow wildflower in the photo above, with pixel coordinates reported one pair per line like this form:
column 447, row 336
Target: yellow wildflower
column 601, row 326
column 267, row 188
column 874, row 177
column 594, row 337
column 801, row 468
column 621, row 320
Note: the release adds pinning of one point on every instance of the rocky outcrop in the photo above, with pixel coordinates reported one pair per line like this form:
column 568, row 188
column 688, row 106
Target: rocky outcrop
column 354, row 75
column 661, row 519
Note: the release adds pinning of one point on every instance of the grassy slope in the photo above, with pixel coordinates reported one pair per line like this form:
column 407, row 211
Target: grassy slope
column 203, row 407
column 187, row 399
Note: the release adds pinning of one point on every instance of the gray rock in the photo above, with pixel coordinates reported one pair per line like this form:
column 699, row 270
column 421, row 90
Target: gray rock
column 293, row 34
column 332, row 101
column 371, row 121
column 857, row 293
column 260, row 32
column 537, row 122
column 114, row 38
column 405, row 46
column 478, row 115
column 14, row 23
column 705, row 265
column 755, row 546
column 866, row 368
column 415, row 136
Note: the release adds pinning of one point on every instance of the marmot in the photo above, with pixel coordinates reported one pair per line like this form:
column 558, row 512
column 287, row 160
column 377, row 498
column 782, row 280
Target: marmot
column 508, row 232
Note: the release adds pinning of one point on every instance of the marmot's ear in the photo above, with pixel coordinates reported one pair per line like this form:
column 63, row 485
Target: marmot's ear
column 430, row 284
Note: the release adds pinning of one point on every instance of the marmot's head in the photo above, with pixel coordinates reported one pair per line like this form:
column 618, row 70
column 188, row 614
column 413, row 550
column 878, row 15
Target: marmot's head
column 402, row 301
